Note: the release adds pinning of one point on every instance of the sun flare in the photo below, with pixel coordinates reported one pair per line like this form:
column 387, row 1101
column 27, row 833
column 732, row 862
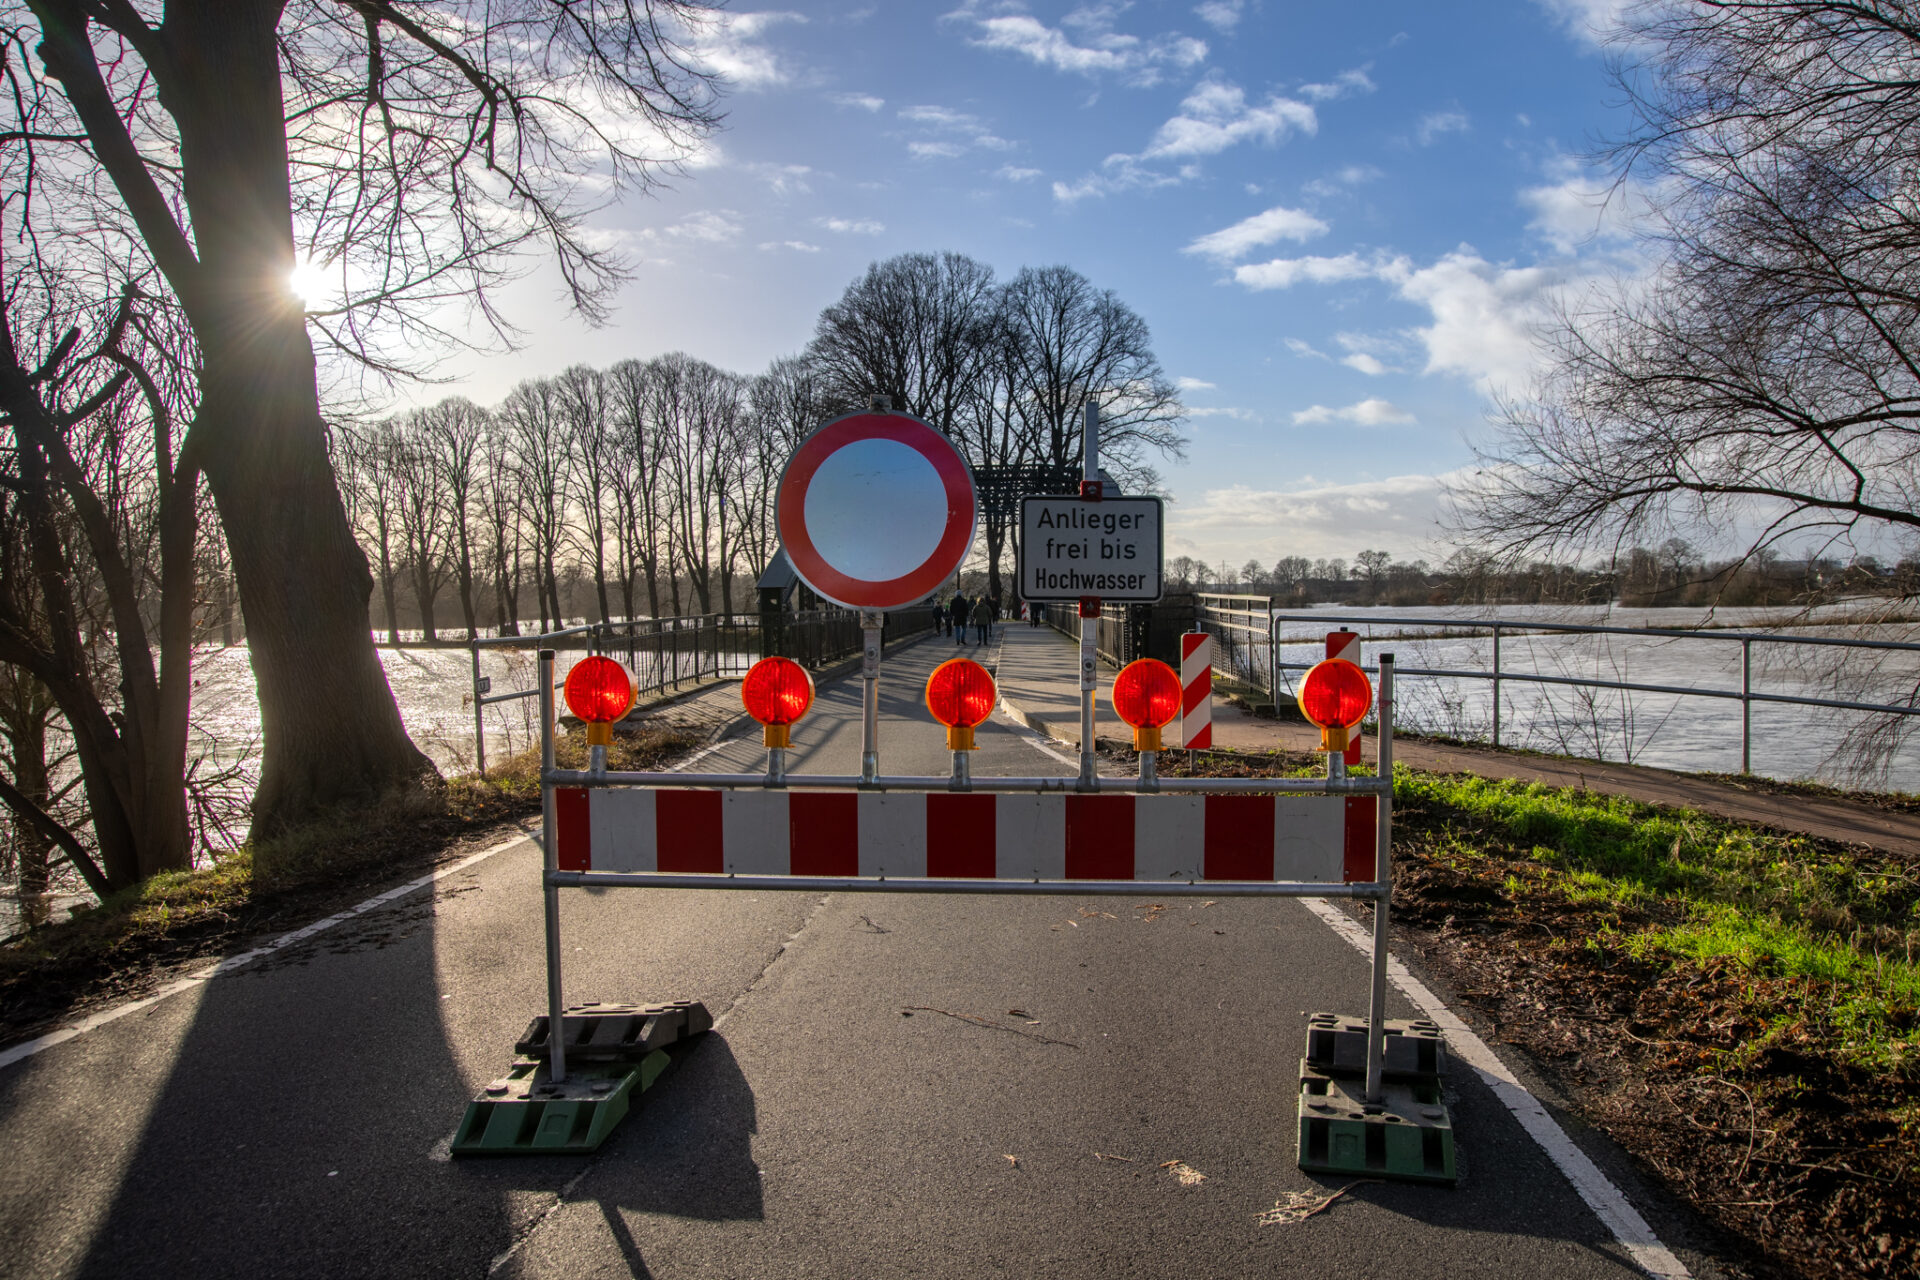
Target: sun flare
column 307, row 282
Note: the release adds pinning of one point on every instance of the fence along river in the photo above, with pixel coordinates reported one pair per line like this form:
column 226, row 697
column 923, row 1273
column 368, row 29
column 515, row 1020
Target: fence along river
column 1666, row 730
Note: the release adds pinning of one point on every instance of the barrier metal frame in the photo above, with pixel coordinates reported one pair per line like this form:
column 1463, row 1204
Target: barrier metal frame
column 1336, row 782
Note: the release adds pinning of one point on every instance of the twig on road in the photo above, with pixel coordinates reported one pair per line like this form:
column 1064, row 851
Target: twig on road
column 982, row 1022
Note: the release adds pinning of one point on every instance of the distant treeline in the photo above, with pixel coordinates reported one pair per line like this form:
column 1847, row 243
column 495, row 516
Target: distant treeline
column 646, row 489
column 1672, row 574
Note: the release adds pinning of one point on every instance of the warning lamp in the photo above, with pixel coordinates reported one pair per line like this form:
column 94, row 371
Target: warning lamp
column 599, row 691
column 777, row 692
column 1146, row 694
column 1335, row 695
column 960, row 694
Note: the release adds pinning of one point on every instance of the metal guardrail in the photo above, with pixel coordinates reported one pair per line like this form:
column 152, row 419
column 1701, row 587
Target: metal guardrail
column 665, row 653
column 1237, row 625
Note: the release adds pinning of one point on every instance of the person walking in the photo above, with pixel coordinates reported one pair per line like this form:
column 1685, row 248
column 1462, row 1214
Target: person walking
column 958, row 610
column 982, row 620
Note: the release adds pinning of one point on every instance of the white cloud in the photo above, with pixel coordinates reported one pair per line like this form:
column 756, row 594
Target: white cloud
column 1400, row 514
column 862, row 101
column 1354, row 81
column 1216, row 116
column 1284, row 273
column 851, row 226
column 1372, row 412
column 1365, row 363
column 728, row 45
column 958, row 132
column 1487, row 319
column 1581, row 208
column 798, row 246
column 714, row 226
column 1436, row 124
column 1306, row 350
column 1013, row 173
column 1238, row 415
column 782, row 179
column 1095, row 49
column 1121, row 172
column 1277, row 223
column 1222, row 15
column 1594, row 21
column 1194, row 384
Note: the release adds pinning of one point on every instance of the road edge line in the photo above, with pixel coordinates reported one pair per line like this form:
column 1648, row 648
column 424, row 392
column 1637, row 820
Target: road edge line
column 1607, row 1201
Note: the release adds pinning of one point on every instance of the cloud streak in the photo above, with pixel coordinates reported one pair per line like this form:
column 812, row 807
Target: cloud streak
column 1240, row 239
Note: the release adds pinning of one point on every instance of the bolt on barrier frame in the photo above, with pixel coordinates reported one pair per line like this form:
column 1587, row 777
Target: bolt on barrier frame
column 1336, row 782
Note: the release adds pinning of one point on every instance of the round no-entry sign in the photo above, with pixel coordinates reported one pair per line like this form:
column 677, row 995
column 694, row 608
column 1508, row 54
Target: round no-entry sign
column 876, row 510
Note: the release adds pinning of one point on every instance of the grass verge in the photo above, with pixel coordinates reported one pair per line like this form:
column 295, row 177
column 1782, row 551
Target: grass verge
column 1738, row 1007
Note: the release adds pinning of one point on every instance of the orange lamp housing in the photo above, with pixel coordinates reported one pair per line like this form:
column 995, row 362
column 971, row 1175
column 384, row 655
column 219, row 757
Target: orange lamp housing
column 777, row 692
column 960, row 694
column 1146, row 694
column 1335, row 695
column 599, row 691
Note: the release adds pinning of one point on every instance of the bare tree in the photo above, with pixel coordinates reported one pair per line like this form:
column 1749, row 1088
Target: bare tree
column 414, row 148
column 1766, row 384
column 535, row 419
column 592, row 445
column 500, row 521
column 366, row 458
column 454, row 432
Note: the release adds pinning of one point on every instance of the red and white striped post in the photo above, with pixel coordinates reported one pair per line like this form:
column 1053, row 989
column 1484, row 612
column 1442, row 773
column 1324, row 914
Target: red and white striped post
column 1345, row 645
column 1196, row 690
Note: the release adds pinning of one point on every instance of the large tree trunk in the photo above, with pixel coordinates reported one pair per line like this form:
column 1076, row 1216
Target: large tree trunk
column 332, row 731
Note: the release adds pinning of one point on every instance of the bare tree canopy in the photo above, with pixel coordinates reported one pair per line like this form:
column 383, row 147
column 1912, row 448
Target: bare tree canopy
column 413, row 148
column 1764, row 382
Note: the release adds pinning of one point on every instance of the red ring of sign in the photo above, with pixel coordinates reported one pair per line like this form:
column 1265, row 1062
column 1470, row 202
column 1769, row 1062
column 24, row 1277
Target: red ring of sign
column 915, row 584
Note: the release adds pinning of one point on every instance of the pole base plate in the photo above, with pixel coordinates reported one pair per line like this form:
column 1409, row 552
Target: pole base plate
column 1408, row 1137
column 1412, row 1048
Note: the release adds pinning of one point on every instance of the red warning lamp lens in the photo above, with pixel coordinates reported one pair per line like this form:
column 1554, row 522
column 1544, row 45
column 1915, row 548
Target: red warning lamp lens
column 960, row 694
column 1146, row 694
column 599, row 690
column 777, row 691
column 1335, row 694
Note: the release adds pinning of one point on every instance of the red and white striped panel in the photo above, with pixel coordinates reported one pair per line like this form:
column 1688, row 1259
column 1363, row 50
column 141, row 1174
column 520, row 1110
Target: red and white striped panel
column 1196, row 690
column 1346, row 645
column 1306, row 839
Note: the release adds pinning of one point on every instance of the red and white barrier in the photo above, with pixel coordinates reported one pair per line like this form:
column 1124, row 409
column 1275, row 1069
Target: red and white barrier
column 1345, row 645
column 1196, row 690
column 1309, row 839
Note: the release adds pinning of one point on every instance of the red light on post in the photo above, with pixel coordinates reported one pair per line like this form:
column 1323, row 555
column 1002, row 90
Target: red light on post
column 599, row 691
column 777, row 692
column 1146, row 694
column 1335, row 695
column 960, row 694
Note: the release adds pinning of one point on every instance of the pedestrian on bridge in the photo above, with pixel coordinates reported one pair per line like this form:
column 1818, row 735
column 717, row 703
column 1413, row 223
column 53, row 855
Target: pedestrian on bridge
column 958, row 610
column 983, row 620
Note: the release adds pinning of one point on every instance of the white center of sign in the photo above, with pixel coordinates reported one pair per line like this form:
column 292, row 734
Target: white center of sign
column 876, row 510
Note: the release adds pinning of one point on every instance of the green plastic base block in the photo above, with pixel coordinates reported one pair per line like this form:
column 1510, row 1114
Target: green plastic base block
column 1408, row 1137
column 524, row 1113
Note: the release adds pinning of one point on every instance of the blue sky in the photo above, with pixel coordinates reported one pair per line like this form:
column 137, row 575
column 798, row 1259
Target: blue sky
column 1341, row 221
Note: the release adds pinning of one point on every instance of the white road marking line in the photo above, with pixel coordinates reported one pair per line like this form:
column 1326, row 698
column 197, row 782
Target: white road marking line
column 1033, row 737
column 1593, row 1186
column 231, row 964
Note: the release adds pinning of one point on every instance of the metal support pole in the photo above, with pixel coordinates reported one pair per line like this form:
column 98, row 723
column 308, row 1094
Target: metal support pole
column 1496, row 685
column 1383, row 873
column 870, row 680
column 776, row 766
column 1746, row 706
column 962, row 779
column 1089, row 666
column 479, row 714
column 1149, row 771
column 550, row 893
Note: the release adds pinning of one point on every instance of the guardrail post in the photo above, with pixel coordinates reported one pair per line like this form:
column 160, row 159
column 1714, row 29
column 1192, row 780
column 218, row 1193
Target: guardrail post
column 1746, row 706
column 870, row 626
column 1383, row 873
column 1496, row 684
column 550, row 892
column 479, row 715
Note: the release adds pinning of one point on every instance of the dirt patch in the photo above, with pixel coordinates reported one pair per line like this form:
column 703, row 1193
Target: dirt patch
column 1741, row 1089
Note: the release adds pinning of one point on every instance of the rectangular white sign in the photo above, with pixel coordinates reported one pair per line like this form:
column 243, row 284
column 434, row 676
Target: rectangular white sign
column 1071, row 548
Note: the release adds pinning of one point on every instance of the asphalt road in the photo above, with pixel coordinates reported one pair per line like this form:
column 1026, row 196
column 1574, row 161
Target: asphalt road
column 292, row 1119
